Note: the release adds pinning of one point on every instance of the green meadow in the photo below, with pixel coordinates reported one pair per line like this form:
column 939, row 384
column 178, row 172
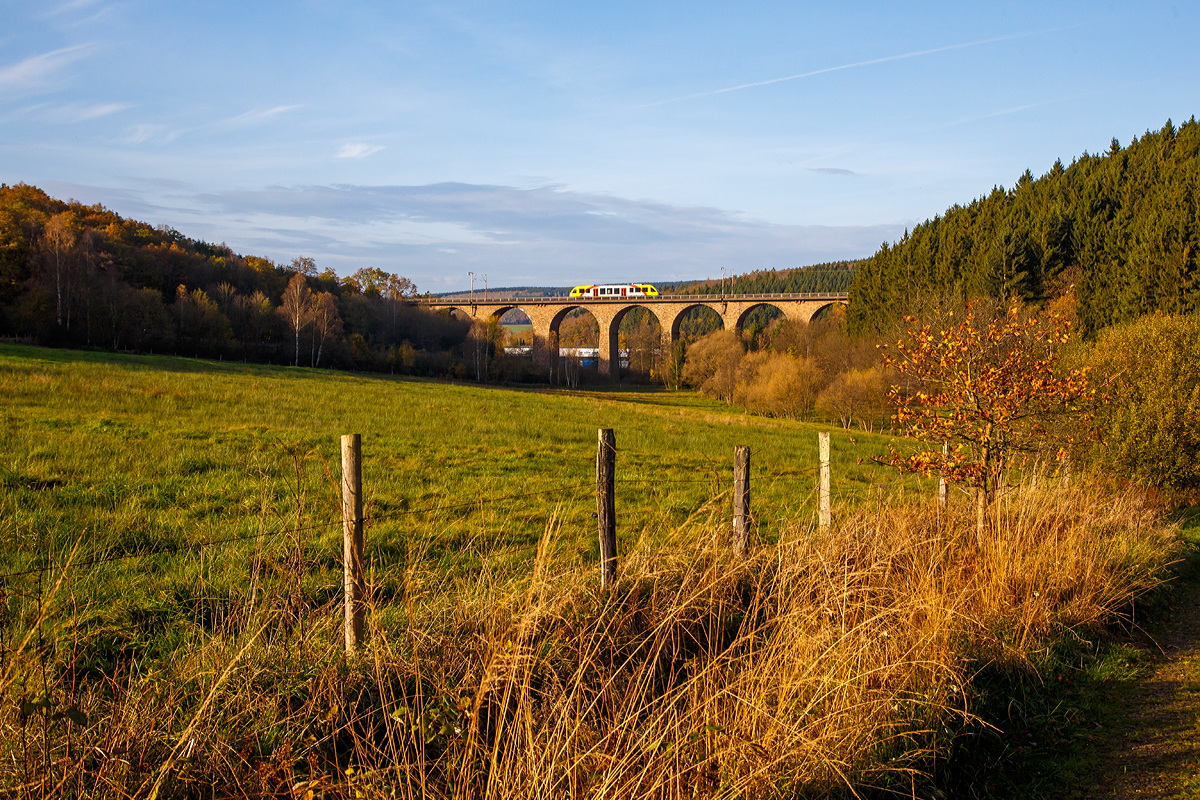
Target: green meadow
column 163, row 478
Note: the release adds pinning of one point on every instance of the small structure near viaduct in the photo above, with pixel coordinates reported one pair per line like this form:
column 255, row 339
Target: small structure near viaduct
column 547, row 313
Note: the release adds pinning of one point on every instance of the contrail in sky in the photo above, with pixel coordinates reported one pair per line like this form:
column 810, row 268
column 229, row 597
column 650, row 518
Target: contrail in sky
column 872, row 61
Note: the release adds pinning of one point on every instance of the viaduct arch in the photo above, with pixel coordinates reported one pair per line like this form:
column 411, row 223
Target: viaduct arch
column 547, row 313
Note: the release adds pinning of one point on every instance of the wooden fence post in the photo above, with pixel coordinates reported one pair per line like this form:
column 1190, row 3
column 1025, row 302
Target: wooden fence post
column 942, row 489
column 352, row 536
column 606, row 505
column 741, row 499
column 825, row 512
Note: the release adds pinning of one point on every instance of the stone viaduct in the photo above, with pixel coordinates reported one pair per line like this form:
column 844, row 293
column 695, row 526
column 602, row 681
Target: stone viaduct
column 547, row 313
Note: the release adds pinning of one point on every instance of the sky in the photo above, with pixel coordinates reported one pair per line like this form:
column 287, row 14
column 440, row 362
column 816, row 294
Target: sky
column 563, row 143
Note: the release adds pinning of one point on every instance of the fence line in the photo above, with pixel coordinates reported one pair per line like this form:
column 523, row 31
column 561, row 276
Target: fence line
column 285, row 531
column 373, row 519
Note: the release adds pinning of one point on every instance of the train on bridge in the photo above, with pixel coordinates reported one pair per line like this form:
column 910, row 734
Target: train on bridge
column 615, row 290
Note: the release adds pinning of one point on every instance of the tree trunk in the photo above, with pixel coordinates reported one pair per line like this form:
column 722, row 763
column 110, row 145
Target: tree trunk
column 58, row 285
column 983, row 496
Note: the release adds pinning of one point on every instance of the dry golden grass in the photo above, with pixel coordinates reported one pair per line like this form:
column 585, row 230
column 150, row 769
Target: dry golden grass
column 830, row 663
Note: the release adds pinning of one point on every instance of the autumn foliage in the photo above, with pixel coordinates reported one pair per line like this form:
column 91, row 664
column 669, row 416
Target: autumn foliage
column 991, row 389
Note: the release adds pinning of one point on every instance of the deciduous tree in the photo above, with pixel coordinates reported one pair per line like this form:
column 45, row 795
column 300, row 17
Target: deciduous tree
column 857, row 394
column 303, row 265
column 991, row 388
column 326, row 323
column 777, row 384
column 296, row 308
column 712, row 364
column 61, row 233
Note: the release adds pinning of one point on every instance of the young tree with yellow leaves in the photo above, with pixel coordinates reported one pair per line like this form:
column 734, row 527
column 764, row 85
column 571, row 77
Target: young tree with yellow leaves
column 992, row 389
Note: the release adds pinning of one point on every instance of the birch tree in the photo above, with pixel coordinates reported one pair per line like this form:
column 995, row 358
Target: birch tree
column 326, row 323
column 61, row 233
column 296, row 308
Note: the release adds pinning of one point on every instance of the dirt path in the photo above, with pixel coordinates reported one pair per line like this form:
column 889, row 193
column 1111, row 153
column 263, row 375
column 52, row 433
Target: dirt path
column 1153, row 749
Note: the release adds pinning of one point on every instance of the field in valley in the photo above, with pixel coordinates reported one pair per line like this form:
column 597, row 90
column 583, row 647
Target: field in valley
column 133, row 454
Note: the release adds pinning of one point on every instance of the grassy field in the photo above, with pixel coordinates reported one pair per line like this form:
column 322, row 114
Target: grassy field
column 133, row 453
column 170, row 580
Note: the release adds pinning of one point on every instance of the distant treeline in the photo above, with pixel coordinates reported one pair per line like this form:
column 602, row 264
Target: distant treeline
column 77, row 275
column 1115, row 233
column 835, row 276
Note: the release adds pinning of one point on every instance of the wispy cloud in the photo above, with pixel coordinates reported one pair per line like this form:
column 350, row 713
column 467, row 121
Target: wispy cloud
column 1001, row 113
column 80, row 14
column 147, row 132
column 358, row 150
column 100, row 110
column 257, row 115
column 35, row 71
column 66, row 114
column 73, row 5
column 852, row 65
column 832, row 170
column 75, row 113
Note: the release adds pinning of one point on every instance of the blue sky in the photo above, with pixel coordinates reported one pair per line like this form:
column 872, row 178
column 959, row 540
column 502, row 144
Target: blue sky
column 555, row 143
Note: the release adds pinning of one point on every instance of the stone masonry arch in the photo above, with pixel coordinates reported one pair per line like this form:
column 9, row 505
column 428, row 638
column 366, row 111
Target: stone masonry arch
column 555, row 321
column 677, row 319
column 830, row 304
column 614, row 328
column 746, row 312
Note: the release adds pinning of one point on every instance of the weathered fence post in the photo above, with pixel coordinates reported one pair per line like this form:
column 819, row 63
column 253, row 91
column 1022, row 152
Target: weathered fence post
column 942, row 489
column 741, row 499
column 824, row 513
column 606, row 505
column 352, row 536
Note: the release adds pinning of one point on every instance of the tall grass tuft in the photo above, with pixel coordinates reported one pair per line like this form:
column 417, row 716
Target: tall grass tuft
column 827, row 663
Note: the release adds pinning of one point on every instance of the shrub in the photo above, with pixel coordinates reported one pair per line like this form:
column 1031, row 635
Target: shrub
column 1152, row 424
column 775, row 384
column 712, row 364
column 857, row 394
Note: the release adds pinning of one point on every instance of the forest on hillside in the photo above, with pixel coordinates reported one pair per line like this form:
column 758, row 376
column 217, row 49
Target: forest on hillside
column 835, row 276
column 1115, row 235
column 82, row 276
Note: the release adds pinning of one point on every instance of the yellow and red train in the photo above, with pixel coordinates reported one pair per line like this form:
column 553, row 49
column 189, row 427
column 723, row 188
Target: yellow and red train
column 615, row 290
